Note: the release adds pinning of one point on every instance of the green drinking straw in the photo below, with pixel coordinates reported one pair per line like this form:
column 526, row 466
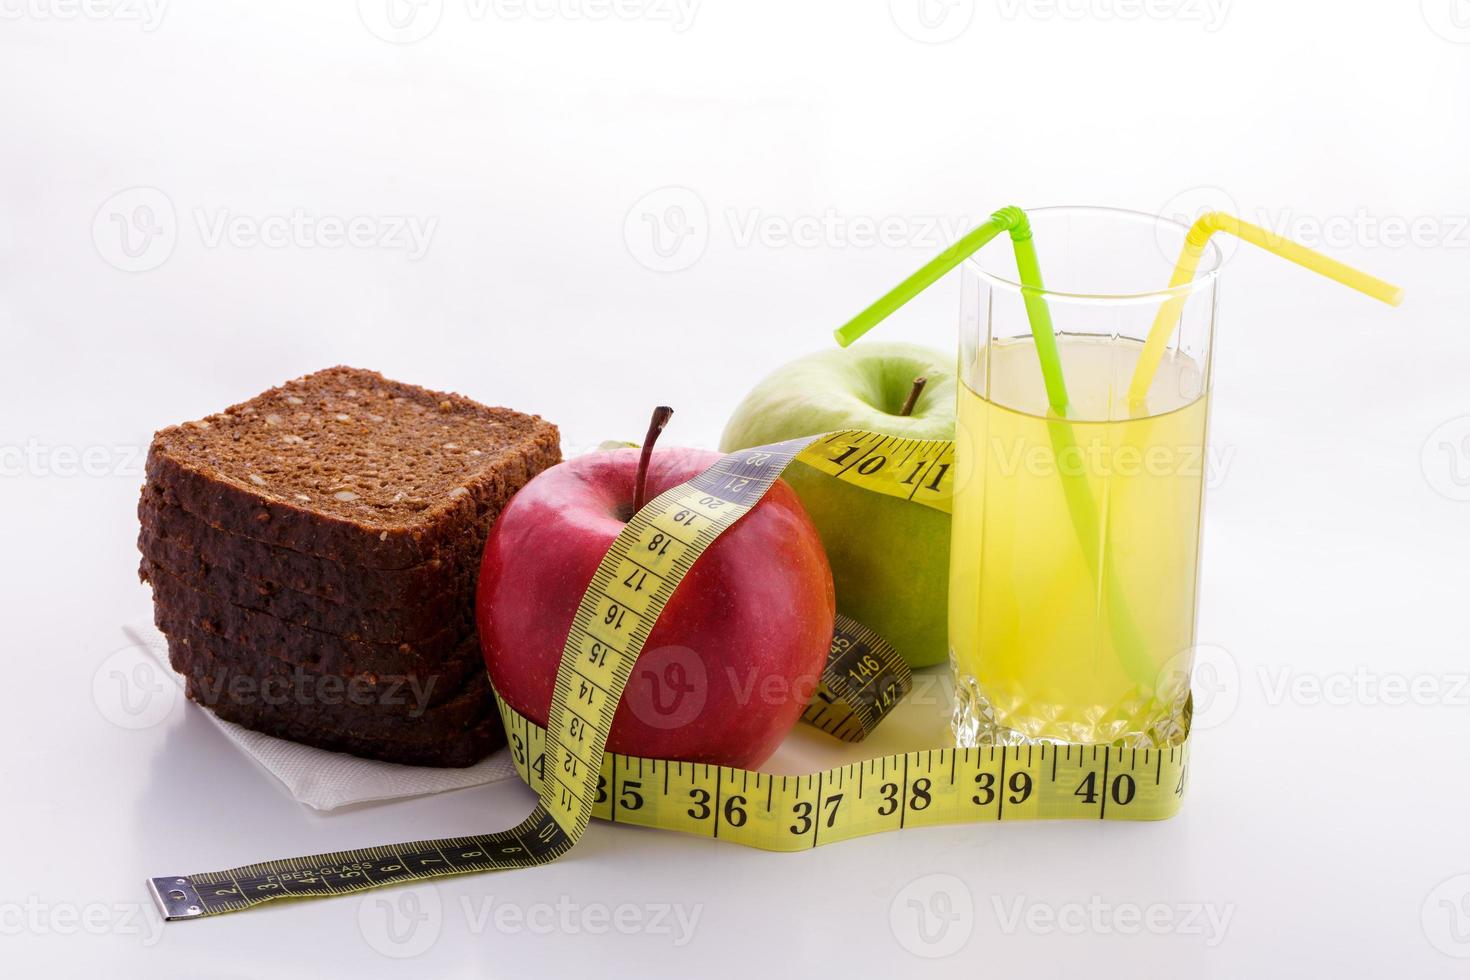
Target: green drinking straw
column 1080, row 500
column 1013, row 220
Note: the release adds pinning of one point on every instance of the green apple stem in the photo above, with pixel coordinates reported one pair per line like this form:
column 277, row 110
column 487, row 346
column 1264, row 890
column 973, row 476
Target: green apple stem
column 656, row 425
column 908, row 405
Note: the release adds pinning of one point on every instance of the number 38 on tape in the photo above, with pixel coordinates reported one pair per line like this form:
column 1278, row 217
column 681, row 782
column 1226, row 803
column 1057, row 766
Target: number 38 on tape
column 577, row 780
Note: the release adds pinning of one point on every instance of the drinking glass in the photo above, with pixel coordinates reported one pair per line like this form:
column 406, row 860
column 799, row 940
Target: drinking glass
column 1074, row 554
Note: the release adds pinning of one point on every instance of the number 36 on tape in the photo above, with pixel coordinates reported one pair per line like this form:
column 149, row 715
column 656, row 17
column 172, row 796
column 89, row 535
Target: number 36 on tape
column 576, row 779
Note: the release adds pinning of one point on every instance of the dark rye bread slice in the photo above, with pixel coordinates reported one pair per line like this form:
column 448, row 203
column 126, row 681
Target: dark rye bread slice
column 365, row 708
column 178, row 608
column 451, row 749
column 160, row 509
column 322, row 577
column 456, row 734
column 455, row 738
column 353, row 620
column 426, row 685
column 348, row 465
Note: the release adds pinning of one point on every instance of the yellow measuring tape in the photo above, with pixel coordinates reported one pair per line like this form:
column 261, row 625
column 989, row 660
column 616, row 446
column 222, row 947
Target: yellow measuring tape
column 576, row 780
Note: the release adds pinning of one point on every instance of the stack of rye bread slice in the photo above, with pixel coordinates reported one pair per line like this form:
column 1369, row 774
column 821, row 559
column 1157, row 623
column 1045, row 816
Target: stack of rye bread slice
column 313, row 555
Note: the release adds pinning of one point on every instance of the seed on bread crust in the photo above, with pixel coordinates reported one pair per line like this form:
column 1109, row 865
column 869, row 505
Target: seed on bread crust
column 403, row 468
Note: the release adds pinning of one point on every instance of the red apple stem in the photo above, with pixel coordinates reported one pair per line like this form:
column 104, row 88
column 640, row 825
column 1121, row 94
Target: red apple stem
column 908, row 405
column 661, row 416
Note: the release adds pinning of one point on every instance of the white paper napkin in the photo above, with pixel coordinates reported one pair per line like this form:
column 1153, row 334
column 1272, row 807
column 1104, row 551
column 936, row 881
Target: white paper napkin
column 327, row 780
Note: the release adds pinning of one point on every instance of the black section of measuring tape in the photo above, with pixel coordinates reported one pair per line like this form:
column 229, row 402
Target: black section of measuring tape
column 854, row 708
column 744, row 477
column 863, row 678
column 863, row 681
column 608, row 631
column 345, row 872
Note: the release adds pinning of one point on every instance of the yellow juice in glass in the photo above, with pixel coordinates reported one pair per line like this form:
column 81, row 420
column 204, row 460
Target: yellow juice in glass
column 1075, row 547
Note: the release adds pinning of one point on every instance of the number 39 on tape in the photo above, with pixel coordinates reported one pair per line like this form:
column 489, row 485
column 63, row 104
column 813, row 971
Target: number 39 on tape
column 577, row 780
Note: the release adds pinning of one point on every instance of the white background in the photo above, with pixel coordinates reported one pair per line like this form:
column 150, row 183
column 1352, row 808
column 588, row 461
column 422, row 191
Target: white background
column 527, row 139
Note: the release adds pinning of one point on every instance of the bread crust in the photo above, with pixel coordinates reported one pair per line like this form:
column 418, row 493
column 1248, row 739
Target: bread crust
column 324, row 578
column 197, row 466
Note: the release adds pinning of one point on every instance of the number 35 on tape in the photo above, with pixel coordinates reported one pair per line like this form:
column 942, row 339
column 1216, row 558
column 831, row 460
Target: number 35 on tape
column 576, row 780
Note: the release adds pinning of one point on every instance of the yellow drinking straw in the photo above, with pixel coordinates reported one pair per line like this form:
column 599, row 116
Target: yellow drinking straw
column 1194, row 247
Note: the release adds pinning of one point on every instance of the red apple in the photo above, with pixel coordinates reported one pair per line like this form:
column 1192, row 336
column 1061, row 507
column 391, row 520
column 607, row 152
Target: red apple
column 732, row 662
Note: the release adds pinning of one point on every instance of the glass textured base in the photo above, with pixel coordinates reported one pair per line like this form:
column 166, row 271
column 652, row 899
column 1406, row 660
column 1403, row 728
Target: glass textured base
column 976, row 722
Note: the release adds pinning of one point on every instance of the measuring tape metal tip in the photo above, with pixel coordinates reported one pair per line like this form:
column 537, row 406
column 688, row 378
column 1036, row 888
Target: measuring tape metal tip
column 577, row 780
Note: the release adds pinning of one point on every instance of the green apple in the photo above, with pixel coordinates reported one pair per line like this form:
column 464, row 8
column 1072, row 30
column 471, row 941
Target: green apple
column 889, row 557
